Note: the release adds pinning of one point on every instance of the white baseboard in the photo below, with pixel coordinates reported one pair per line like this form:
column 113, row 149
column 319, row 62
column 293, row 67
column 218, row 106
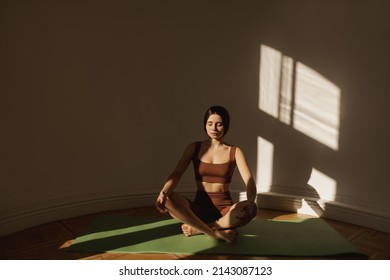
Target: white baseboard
column 343, row 212
column 32, row 216
column 68, row 207
column 20, row 219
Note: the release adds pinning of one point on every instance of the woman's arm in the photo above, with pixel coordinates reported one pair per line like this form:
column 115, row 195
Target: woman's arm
column 175, row 177
column 246, row 174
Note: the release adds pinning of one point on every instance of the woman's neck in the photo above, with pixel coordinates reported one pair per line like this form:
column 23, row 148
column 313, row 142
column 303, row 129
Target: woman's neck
column 215, row 143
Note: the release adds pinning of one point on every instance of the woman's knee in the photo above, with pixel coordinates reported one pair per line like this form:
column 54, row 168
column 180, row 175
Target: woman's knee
column 244, row 212
column 176, row 200
column 254, row 212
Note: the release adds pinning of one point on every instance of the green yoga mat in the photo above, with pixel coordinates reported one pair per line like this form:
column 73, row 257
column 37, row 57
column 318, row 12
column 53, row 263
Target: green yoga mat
column 303, row 237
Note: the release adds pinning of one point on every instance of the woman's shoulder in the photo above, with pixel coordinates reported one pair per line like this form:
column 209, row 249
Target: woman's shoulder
column 229, row 145
column 192, row 146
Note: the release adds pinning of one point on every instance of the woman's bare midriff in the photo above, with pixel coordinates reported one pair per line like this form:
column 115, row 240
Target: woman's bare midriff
column 212, row 187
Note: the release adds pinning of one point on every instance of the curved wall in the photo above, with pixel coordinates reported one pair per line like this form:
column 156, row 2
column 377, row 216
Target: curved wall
column 98, row 100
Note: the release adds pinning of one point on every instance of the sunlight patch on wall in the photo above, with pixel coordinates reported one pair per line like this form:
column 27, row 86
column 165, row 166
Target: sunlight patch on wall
column 312, row 106
column 324, row 185
column 286, row 93
column 317, row 105
column 265, row 155
column 326, row 188
column 270, row 67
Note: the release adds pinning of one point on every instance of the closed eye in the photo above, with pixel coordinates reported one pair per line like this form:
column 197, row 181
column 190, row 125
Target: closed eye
column 219, row 124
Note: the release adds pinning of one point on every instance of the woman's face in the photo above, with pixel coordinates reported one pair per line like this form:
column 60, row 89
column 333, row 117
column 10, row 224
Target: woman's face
column 214, row 127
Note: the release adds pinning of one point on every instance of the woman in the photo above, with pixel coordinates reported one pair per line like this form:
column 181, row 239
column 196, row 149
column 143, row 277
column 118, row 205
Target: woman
column 213, row 211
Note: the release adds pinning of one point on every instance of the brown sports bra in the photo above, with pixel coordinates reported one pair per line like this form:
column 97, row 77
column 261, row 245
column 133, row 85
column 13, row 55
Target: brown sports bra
column 213, row 172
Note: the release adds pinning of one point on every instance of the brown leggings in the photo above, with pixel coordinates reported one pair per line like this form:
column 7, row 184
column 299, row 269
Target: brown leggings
column 211, row 206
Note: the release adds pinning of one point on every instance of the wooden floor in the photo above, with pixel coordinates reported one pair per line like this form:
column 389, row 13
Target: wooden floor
column 49, row 241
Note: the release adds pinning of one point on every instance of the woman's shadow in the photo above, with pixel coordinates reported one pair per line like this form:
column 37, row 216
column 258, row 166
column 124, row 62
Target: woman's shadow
column 292, row 169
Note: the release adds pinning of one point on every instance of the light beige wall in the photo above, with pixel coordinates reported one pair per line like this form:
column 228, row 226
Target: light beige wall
column 348, row 46
column 98, row 98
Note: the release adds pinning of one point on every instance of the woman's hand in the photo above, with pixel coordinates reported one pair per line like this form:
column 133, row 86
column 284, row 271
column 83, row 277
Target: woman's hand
column 160, row 202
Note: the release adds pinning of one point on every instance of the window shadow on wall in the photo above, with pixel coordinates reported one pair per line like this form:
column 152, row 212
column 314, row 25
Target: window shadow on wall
column 302, row 108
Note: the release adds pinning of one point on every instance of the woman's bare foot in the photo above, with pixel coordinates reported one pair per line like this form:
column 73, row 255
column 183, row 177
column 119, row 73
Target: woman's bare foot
column 189, row 230
column 229, row 235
